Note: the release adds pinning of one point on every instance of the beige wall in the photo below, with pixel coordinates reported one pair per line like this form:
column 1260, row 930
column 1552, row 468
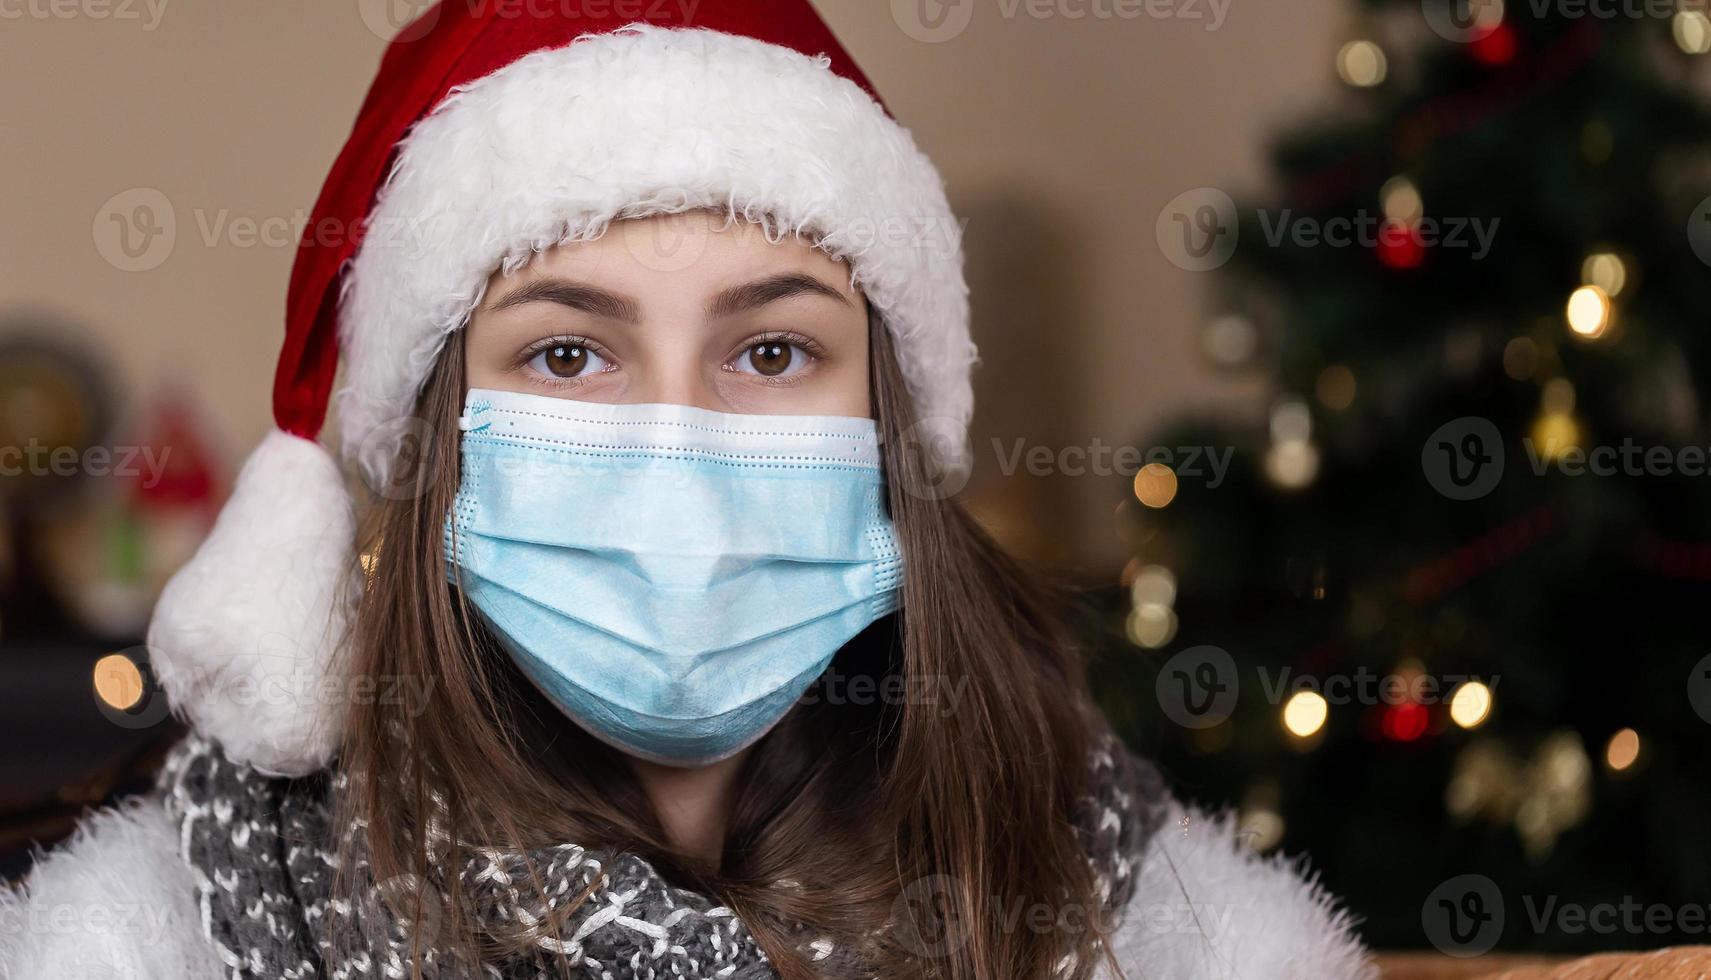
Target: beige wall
column 1061, row 139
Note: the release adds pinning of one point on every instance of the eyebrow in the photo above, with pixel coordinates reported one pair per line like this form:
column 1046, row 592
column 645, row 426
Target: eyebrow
column 577, row 296
column 752, row 295
column 612, row 306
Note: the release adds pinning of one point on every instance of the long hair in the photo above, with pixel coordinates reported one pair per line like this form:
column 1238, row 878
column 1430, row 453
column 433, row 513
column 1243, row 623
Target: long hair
column 925, row 825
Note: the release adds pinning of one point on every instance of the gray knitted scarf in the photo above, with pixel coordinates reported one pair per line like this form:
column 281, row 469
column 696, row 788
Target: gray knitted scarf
column 265, row 853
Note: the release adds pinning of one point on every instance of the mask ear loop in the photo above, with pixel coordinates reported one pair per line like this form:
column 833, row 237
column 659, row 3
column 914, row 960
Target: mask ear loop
column 887, row 569
column 459, row 520
column 875, row 331
column 882, row 532
column 474, row 417
column 877, row 334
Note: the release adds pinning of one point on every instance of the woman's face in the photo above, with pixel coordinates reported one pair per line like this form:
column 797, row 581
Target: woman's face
column 682, row 310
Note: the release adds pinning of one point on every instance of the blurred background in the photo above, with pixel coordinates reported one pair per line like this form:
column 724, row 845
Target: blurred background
column 1347, row 352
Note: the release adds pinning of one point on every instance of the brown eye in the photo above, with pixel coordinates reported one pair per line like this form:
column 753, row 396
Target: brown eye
column 771, row 358
column 566, row 361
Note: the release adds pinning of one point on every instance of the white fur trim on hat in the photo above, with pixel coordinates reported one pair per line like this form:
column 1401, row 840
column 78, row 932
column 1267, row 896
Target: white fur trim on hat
column 555, row 146
column 248, row 638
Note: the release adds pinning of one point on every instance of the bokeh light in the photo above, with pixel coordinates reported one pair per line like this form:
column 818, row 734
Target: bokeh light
column 1304, row 713
column 118, row 681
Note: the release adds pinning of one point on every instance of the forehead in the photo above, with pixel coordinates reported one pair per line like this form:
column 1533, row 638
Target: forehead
column 688, row 251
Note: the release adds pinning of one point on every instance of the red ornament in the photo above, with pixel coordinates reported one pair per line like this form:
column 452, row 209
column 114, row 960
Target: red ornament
column 188, row 473
column 1400, row 246
column 1495, row 46
column 1405, row 722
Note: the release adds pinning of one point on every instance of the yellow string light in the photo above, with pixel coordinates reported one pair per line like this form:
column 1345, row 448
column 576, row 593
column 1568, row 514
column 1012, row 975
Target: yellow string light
column 1362, row 63
column 1292, row 465
column 1153, row 585
column 1588, row 312
column 117, row 681
column 1471, row 704
column 1623, row 750
column 1155, row 485
column 1151, row 626
column 1305, row 713
column 1692, row 30
column 1554, row 434
column 1401, row 201
column 1607, row 271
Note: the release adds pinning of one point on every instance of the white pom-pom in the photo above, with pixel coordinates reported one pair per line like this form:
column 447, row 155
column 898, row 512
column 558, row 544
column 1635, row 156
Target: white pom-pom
column 247, row 638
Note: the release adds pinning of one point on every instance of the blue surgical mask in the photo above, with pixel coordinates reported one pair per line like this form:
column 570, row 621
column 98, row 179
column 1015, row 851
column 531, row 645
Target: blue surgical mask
column 672, row 578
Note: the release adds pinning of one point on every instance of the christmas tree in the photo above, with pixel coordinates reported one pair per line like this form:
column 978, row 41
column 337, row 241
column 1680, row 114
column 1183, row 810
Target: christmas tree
column 1442, row 624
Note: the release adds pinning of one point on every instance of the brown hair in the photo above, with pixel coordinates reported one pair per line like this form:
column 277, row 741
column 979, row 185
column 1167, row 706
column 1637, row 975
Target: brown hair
column 872, row 810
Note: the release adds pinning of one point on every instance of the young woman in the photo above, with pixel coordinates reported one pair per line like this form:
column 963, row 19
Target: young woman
column 663, row 648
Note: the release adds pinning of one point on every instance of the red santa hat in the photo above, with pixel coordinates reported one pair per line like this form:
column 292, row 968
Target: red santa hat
column 495, row 130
